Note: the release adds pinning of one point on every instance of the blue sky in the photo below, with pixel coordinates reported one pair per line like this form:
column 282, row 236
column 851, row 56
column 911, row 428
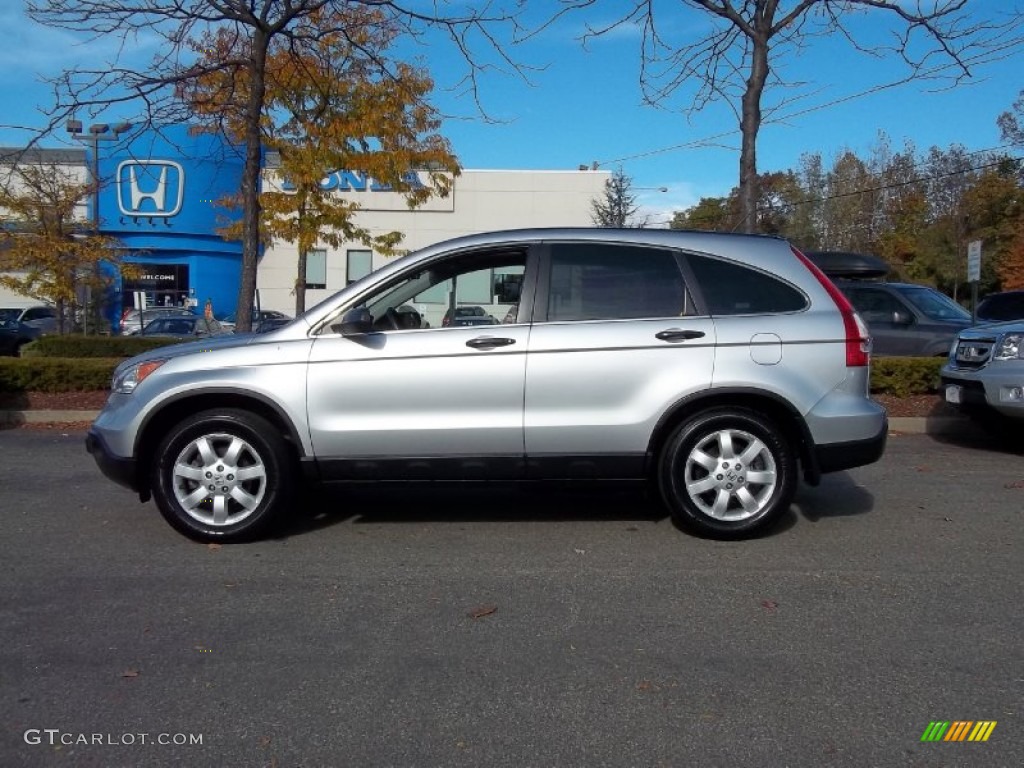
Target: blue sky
column 582, row 104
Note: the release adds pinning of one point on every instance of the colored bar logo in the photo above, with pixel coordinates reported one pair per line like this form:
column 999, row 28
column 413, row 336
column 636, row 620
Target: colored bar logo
column 958, row 730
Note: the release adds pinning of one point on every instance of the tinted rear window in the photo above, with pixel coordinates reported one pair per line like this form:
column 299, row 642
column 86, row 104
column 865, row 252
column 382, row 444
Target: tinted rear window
column 732, row 289
column 1008, row 306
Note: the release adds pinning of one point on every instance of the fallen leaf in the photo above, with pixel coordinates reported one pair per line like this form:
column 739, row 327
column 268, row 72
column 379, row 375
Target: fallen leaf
column 769, row 605
column 481, row 611
column 264, row 741
column 923, row 469
column 1015, row 484
column 580, row 551
column 130, row 673
column 213, row 546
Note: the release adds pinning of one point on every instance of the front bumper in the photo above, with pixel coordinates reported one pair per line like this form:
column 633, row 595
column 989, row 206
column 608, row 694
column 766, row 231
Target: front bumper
column 123, row 471
column 986, row 388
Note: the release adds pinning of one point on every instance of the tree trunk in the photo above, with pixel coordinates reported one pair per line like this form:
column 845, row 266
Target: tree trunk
column 300, row 284
column 251, row 182
column 750, row 123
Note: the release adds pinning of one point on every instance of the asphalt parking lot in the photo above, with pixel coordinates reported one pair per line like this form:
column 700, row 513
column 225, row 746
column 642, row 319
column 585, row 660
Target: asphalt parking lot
column 432, row 627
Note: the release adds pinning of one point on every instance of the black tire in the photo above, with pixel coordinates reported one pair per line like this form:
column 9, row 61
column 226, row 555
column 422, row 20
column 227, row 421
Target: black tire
column 765, row 482
column 247, row 507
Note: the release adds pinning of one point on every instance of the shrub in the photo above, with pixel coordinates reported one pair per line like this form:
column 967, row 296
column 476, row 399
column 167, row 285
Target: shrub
column 93, row 346
column 55, row 374
column 905, row 376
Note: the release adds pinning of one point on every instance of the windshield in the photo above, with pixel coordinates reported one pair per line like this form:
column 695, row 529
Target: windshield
column 10, row 314
column 934, row 305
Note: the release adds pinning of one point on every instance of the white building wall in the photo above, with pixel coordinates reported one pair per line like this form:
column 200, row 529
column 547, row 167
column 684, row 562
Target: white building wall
column 481, row 201
column 69, row 164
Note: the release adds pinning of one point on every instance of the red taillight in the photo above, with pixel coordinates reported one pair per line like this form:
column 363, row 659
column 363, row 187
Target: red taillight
column 858, row 341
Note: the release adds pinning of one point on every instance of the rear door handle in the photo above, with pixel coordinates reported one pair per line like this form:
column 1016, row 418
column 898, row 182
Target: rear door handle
column 678, row 334
column 489, row 342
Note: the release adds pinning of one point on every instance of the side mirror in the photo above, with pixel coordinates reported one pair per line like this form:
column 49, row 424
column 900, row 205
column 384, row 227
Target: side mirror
column 902, row 317
column 355, row 322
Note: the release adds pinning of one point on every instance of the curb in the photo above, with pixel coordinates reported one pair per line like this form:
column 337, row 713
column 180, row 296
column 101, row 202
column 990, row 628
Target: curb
column 14, row 418
column 935, row 425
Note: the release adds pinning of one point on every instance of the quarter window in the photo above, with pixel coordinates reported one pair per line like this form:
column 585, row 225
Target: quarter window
column 731, row 289
column 594, row 281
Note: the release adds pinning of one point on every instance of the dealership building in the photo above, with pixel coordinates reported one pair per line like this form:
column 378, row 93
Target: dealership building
column 159, row 194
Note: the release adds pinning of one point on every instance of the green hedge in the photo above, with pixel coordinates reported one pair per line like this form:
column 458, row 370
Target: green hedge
column 905, row 376
column 55, row 374
column 93, row 346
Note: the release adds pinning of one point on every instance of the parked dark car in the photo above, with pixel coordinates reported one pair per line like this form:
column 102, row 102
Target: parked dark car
column 263, row 320
column 907, row 319
column 183, row 327
column 40, row 317
column 904, row 319
column 1001, row 307
column 15, row 334
column 467, row 316
column 132, row 325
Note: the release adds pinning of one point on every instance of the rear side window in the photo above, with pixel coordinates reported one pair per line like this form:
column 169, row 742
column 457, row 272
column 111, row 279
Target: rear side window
column 732, row 289
column 597, row 281
column 874, row 305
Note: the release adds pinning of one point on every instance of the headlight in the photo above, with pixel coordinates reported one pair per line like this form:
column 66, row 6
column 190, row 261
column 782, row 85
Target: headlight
column 1009, row 347
column 126, row 381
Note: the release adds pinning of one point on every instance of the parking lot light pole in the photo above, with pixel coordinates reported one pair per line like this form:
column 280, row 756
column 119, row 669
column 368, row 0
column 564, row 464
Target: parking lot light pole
column 97, row 132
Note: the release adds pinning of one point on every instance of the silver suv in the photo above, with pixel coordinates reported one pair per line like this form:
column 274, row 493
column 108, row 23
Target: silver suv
column 715, row 365
column 984, row 376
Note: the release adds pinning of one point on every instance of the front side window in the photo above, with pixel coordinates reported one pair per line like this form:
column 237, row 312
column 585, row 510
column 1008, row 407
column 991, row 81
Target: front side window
column 461, row 291
column 599, row 281
column 934, row 305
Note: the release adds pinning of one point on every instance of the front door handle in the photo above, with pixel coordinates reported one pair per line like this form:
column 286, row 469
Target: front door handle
column 489, row 342
column 678, row 334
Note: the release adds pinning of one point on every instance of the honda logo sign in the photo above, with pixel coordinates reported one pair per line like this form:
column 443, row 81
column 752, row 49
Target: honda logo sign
column 150, row 187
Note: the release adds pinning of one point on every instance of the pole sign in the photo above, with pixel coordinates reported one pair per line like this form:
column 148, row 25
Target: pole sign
column 974, row 261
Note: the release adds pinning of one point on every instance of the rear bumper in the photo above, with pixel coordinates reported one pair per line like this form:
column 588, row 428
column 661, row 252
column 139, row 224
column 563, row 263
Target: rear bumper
column 835, row 457
column 121, row 470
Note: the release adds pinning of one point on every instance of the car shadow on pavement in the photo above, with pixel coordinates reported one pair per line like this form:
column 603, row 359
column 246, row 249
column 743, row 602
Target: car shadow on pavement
column 11, row 406
column 838, row 495
column 484, row 503
column 327, row 506
column 975, row 437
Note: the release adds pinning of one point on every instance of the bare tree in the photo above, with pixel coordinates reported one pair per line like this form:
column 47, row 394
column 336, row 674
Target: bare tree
column 177, row 24
column 739, row 57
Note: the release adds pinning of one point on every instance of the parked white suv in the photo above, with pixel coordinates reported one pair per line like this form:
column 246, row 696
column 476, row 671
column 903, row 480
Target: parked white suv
column 716, row 365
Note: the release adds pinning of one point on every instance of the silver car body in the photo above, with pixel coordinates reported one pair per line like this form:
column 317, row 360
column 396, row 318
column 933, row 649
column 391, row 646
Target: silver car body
column 548, row 399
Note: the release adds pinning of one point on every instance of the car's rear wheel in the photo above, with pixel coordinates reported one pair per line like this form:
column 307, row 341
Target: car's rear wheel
column 727, row 473
column 222, row 475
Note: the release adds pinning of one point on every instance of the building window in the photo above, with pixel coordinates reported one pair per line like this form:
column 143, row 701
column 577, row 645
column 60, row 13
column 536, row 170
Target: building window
column 316, row 268
column 358, row 265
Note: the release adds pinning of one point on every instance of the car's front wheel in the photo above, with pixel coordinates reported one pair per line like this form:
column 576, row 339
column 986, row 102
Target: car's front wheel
column 727, row 473
column 222, row 475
